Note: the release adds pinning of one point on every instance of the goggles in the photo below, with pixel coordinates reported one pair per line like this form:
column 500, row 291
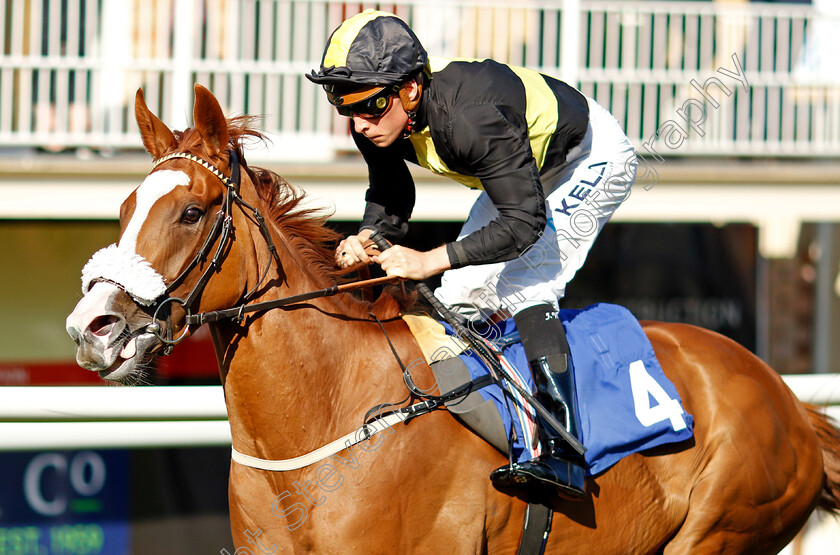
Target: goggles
column 371, row 107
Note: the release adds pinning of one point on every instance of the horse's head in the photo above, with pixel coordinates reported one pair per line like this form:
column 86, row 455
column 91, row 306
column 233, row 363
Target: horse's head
column 171, row 227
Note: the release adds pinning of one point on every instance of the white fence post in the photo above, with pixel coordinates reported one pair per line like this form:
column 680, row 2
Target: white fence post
column 570, row 42
column 184, row 24
column 114, row 48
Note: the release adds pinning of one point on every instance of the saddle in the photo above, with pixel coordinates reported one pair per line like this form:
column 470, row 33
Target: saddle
column 626, row 402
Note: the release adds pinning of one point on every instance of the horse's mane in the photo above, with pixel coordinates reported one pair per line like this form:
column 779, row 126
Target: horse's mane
column 305, row 228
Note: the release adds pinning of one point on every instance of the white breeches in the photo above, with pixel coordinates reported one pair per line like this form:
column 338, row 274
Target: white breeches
column 595, row 180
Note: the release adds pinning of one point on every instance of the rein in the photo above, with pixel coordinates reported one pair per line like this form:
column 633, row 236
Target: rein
column 237, row 312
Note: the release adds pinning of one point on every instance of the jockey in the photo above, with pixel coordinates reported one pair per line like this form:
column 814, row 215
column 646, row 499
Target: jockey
column 553, row 166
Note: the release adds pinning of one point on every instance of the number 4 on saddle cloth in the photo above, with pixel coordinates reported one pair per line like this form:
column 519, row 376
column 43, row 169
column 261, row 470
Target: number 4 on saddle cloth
column 626, row 404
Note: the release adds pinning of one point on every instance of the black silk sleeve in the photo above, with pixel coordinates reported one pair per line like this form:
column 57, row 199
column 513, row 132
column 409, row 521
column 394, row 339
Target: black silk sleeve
column 390, row 195
column 492, row 144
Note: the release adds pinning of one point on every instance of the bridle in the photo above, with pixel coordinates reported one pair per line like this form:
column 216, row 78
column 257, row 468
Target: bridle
column 222, row 230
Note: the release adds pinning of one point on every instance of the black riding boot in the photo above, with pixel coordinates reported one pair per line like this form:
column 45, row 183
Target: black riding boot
column 545, row 345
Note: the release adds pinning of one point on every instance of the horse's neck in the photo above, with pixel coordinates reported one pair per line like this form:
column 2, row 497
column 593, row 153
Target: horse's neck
column 300, row 377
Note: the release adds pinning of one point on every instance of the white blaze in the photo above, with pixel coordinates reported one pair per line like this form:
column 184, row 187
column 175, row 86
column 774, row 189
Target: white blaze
column 120, row 264
column 155, row 186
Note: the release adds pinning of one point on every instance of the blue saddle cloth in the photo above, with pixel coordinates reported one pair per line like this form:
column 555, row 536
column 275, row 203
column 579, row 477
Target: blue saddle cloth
column 626, row 403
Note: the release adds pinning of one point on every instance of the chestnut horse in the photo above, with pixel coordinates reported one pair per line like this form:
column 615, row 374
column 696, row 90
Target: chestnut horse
column 298, row 377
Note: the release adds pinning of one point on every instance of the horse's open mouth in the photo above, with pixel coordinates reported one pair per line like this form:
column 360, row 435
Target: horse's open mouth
column 136, row 351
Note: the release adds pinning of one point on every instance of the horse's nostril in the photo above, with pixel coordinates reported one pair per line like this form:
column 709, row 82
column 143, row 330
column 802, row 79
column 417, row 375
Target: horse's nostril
column 102, row 325
column 74, row 334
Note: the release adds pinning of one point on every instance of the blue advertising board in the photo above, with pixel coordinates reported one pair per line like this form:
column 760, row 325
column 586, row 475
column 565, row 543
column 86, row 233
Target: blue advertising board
column 64, row 503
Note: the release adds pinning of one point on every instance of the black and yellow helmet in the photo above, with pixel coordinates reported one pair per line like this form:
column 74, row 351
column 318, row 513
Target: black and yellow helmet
column 370, row 49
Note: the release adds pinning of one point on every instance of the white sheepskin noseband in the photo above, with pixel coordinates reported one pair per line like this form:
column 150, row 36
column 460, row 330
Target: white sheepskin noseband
column 128, row 270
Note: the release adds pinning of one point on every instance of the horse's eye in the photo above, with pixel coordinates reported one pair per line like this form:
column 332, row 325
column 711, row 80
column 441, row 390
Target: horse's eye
column 191, row 215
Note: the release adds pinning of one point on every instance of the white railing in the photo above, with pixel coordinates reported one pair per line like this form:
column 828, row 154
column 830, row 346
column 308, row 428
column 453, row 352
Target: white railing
column 69, row 70
column 46, row 418
column 91, row 417
column 97, row 417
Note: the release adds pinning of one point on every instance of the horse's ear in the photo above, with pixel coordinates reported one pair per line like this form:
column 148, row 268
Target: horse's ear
column 210, row 121
column 157, row 138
